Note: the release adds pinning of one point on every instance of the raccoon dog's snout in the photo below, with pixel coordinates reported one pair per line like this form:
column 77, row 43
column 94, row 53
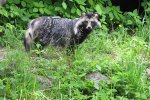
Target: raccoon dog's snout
column 89, row 26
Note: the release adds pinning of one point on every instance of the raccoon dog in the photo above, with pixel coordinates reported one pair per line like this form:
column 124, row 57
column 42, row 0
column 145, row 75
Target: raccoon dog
column 60, row 32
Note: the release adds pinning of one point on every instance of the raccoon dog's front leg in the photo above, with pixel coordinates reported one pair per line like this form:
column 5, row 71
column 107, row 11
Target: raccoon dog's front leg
column 31, row 35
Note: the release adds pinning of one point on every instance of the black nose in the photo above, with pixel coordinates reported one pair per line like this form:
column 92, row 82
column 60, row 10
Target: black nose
column 89, row 27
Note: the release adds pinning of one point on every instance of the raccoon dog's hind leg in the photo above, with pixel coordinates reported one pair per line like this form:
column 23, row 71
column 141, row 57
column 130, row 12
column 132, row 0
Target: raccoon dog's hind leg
column 30, row 34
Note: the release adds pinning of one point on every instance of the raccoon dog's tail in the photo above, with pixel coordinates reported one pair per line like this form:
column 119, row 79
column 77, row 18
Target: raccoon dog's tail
column 30, row 34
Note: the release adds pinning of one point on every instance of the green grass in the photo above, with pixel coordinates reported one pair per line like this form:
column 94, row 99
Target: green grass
column 119, row 56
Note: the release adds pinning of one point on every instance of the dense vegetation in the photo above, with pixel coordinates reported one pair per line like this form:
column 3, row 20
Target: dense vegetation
column 119, row 50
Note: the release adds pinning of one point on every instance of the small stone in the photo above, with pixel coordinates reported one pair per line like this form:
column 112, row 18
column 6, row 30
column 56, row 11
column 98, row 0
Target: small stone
column 45, row 82
column 2, row 57
column 96, row 78
column 2, row 53
column 148, row 71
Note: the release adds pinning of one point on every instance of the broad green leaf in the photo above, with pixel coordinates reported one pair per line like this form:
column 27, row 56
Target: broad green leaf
column 98, row 67
column 103, row 18
column 35, row 9
column 98, row 9
column 10, row 1
column 129, row 22
column 58, row 9
column 23, row 3
column 67, row 14
column 41, row 4
column 116, row 15
column 11, row 14
column 111, row 15
column 47, row 11
column 135, row 12
column 82, row 8
column 91, row 2
column 78, row 12
column 4, row 12
column 109, row 3
column 80, row 2
column 16, row 1
column 64, row 5
column 148, row 10
column 36, row 4
column 24, row 18
column 107, row 9
column 16, row 13
column 41, row 10
column 73, row 10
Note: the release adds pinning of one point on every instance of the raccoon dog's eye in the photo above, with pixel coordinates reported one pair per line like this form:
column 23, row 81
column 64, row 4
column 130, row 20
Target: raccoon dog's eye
column 85, row 22
column 93, row 23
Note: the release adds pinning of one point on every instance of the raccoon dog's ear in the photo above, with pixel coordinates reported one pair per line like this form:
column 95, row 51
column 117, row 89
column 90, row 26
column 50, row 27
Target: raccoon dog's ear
column 83, row 14
column 96, row 15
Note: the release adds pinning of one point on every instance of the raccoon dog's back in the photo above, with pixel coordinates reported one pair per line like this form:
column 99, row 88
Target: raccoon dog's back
column 55, row 31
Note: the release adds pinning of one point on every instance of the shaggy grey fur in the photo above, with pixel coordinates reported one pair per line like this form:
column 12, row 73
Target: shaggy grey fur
column 2, row 2
column 61, row 32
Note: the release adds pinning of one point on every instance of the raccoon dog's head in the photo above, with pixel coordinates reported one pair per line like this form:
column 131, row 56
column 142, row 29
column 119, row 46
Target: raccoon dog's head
column 88, row 21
